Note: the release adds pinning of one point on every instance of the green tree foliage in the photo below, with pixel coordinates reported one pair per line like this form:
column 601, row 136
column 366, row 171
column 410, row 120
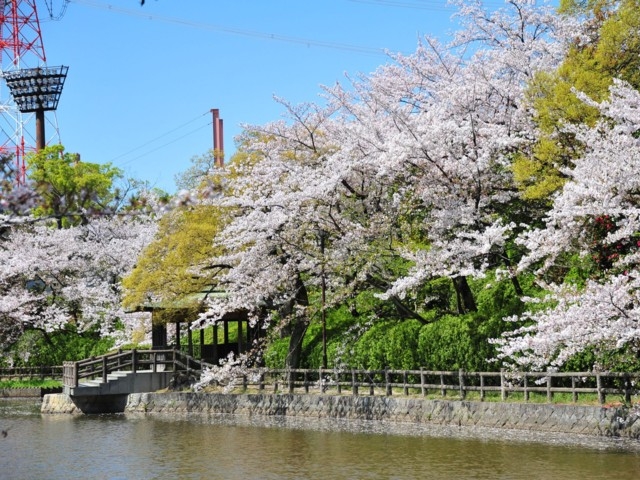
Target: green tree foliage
column 590, row 67
column 174, row 266
column 370, row 333
column 36, row 348
column 166, row 268
column 71, row 189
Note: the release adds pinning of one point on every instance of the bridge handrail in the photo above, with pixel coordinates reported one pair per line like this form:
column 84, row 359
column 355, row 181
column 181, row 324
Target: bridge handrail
column 131, row 360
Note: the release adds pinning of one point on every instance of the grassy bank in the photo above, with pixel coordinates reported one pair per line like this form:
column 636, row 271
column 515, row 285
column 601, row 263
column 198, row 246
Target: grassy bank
column 33, row 383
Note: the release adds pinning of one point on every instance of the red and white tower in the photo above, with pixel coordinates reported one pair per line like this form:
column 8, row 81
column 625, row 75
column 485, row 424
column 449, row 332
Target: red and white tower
column 28, row 87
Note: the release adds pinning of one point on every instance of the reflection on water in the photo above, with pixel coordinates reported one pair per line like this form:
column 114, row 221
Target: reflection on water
column 225, row 447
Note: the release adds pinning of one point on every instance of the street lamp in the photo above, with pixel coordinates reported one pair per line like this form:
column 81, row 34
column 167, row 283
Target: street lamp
column 37, row 90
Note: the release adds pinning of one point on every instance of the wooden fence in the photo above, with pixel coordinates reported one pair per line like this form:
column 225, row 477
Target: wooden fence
column 458, row 384
column 31, row 373
column 446, row 383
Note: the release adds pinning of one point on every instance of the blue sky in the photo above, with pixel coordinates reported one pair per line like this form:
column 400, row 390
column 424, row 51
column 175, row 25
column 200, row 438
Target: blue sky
column 143, row 79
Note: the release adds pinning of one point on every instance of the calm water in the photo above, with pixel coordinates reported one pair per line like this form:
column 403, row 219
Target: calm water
column 198, row 447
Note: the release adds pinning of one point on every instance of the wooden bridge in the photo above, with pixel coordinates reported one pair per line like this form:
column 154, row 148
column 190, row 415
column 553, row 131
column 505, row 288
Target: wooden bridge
column 125, row 372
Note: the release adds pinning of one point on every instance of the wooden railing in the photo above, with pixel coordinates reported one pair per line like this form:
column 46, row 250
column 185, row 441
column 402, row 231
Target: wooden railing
column 446, row 383
column 130, row 360
column 31, row 373
column 459, row 384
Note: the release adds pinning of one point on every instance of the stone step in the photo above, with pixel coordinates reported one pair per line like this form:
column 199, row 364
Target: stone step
column 123, row 382
column 111, row 377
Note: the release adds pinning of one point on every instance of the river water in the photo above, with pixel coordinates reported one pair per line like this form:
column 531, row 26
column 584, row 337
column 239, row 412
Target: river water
column 139, row 447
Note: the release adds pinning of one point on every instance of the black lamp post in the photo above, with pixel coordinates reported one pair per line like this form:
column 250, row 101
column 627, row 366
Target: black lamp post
column 322, row 238
column 37, row 90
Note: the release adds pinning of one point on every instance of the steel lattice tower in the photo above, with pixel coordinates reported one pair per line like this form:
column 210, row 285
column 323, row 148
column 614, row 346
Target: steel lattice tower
column 28, row 87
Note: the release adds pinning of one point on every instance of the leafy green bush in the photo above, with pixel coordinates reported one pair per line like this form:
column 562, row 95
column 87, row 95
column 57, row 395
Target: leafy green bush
column 35, row 348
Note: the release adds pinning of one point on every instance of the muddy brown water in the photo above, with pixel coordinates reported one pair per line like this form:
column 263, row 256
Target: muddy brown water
column 139, row 446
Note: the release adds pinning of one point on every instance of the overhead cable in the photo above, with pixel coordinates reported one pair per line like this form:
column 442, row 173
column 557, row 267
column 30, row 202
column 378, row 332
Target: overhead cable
column 236, row 31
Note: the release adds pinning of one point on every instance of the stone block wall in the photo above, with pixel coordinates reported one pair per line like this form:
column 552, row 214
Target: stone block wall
column 618, row 421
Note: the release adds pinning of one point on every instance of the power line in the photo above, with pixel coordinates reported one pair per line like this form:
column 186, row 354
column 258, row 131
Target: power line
column 166, row 144
column 437, row 5
column 236, row 31
column 159, row 137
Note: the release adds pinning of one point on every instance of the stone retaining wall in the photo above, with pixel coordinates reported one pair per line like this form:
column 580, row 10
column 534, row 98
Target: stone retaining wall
column 574, row 419
column 28, row 392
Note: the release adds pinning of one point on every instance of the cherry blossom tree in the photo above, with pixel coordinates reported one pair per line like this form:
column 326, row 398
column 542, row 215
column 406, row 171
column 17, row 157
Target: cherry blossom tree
column 445, row 124
column 56, row 279
column 401, row 177
column 602, row 196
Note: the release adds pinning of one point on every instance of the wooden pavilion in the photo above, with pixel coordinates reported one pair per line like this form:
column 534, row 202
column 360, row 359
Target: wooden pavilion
column 231, row 333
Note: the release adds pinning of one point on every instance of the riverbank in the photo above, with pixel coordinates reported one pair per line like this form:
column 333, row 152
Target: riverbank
column 28, row 392
column 596, row 421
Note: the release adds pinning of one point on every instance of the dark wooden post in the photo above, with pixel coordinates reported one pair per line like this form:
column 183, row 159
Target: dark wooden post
column 240, row 339
column 158, row 335
column 601, row 395
column 405, row 387
column 104, row 369
column 323, row 387
column 290, row 375
column 190, row 339
column 178, row 340
column 627, row 388
column 354, row 384
column 387, row 381
column 372, row 388
column 215, row 343
column 134, row 361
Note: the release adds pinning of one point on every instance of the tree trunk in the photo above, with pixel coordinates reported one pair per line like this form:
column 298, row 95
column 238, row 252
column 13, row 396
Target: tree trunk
column 298, row 326
column 464, row 295
column 294, row 355
column 514, row 278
